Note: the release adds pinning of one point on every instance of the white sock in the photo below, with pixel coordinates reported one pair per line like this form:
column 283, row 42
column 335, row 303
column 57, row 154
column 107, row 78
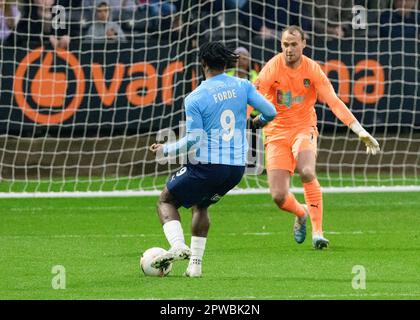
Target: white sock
column 317, row 234
column 198, row 245
column 174, row 233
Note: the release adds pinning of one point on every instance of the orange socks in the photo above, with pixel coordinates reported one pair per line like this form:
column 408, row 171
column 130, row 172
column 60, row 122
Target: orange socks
column 313, row 198
column 293, row 206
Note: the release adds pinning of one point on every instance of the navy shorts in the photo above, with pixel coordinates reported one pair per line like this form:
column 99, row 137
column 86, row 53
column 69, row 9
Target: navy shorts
column 203, row 184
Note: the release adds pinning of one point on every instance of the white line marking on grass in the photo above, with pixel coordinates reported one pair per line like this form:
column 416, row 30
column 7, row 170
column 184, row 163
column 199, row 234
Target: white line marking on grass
column 95, row 194
column 303, row 296
column 350, row 232
column 232, row 234
column 357, row 232
column 258, row 233
column 360, row 295
column 77, row 209
column 64, row 236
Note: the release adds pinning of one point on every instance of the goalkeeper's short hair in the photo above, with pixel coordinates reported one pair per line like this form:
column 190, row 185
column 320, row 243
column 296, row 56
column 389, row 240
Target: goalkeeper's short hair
column 292, row 29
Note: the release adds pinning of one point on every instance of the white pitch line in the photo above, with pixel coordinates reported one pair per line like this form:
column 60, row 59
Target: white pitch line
column 360, row 295
column 91, row 208
column 131, row 193
column 303, row 296
column 64, row 236
column 143, row 235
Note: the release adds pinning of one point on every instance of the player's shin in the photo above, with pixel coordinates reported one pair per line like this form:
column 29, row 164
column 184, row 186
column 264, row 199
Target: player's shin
column 174, row 233
column 313, row 198
column 291, row 205
column 198, row 246
column 178, row 251
column 200, row 226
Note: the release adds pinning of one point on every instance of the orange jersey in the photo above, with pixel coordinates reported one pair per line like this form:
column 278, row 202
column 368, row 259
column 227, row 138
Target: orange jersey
column 294, row 93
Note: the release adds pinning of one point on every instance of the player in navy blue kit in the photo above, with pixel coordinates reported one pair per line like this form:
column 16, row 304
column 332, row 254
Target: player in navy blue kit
column 216, row 133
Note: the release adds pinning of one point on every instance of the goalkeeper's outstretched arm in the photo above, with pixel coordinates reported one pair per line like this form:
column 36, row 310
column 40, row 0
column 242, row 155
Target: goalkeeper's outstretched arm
column 327, row 93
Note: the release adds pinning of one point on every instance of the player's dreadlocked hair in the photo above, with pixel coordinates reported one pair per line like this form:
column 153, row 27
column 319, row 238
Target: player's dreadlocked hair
column 216, row 55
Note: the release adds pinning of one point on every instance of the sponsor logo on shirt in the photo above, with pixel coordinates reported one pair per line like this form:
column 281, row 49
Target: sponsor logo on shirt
column 286, row 99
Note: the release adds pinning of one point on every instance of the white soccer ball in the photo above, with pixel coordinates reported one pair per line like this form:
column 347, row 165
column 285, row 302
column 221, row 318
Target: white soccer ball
column 146, row 263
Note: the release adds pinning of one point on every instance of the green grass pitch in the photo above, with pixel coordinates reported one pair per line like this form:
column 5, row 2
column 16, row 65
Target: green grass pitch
column 250, row 252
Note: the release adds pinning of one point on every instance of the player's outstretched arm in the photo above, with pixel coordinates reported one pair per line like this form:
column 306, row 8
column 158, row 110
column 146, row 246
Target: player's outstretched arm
column 260, row 103
column 344, row 114
column 338, row 107
column 191, row 140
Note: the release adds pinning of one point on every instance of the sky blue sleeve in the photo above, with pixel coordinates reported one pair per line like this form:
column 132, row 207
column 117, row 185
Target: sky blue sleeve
column 194, row 126
column 193, row 116
column 259, row 102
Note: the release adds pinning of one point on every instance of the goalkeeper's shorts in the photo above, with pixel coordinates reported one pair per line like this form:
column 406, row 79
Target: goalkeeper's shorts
column 281, row 151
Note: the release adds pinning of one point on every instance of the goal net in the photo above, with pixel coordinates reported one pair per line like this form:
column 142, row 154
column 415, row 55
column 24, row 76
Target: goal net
column 87, row 86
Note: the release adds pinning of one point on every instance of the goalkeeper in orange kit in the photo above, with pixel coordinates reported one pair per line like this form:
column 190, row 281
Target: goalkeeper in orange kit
column 292, row 82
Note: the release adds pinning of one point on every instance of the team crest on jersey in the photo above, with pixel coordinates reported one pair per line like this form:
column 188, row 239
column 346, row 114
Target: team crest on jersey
column 306, row 83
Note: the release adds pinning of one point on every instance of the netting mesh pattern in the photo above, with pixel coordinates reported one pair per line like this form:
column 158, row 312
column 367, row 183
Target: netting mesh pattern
column 87, row 85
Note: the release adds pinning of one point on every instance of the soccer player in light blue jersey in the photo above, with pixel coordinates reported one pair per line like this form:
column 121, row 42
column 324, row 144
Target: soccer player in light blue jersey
column 216, row 133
